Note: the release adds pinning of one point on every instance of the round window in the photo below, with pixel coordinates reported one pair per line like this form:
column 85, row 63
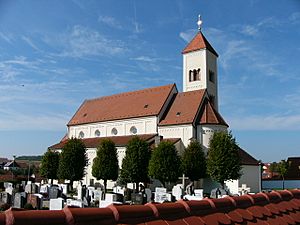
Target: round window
column 97, row 133
column 81, row 134
column 114, row 131
column 133, row 130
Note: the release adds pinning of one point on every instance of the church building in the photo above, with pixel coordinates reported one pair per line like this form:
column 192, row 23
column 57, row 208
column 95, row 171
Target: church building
column 161, row 113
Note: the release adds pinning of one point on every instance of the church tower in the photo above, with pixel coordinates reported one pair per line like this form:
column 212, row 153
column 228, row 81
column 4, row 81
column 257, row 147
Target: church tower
column 200, row 66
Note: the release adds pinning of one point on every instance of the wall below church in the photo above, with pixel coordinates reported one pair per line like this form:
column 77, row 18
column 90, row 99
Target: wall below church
column 144, row 125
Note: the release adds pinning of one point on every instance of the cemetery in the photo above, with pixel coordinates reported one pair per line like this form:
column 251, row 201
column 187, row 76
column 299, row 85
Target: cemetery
column 44, row 196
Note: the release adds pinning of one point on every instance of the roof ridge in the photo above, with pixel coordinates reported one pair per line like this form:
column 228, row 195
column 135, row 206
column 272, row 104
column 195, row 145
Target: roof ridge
column 130, row 92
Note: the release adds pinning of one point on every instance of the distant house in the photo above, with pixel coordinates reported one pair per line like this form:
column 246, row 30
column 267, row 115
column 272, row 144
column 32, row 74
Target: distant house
column 11, row 165
column 3, row 161
column 294, row 169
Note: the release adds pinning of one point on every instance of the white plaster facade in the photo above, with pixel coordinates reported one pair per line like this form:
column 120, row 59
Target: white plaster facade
column 143, row 125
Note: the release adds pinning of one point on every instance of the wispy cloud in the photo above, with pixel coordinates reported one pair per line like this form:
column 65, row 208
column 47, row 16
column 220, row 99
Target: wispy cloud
column 13, row 120
column 6, row 37
column 295, row 17
column 187, row 35
column 83, row 42
column 109, row 21
column 30, row 43
column 271, row 122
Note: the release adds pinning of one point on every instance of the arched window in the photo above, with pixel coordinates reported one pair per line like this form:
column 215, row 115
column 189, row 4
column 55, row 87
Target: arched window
column 114, row 131
column 133, row 130
column 194, row 75
column 81, row 134
column 198, row 74
column 97, row 133
column 190, row 75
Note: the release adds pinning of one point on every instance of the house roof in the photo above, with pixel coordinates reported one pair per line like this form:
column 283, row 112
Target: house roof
column 94, row 142
column 184, row 108
column 208, row 115
column 197, row 43
column 246, row 158
column 146, row 102
column 294, row 168
column 282, row 207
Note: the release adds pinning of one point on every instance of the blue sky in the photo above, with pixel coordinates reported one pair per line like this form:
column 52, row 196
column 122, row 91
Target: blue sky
column 54, row 54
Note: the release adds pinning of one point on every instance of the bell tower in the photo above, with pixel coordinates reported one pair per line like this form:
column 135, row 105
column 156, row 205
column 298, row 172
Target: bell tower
column 200, row 66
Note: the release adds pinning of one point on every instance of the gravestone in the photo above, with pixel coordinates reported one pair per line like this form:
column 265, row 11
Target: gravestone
column 161, row 195
column 199, row 193
column 45, row 204
column 7, row 184
column 54, row 192
column 19, row 200
column 9, row 190
column 56, row 204
column 244, row 190
column 34, row 200
column 64, row 189
column 177, row 191
column 74, row 203
column 34, row 188
column 109, row 199
column 5, row 197
column 148, row 193
column 79, row 192
column 28, row 188
column 137, row 198
column 119, row 190
column 44, row 189
column 218, row 193
column 97, row 195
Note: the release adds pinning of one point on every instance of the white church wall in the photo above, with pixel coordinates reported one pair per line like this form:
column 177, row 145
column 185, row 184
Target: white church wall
column 185, row 132
column 251, row 177
column 143, row 125
column 212, row 86
column 191, row 61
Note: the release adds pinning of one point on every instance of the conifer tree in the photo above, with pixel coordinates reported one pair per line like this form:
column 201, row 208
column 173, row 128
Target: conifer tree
column 165, row 163
column 73, row 161
column 49, row 165
column 193, row 161
column 136, row 161
column 105, row 165
column 223, row 160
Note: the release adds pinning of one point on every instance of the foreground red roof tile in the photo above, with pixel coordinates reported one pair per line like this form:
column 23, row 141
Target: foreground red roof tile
column 146, row 102
column 281, row 207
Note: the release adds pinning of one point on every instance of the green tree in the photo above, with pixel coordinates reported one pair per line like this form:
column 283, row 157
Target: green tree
column 49, row 165
column 193, row 161
column 223, row 160
column 165, row 163
column 105, row 165
column 136, row 161
column 73, row 160
column 282, row 169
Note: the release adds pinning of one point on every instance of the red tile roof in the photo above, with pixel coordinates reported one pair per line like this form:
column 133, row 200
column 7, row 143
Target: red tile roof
column 246, row 158
column 146, row 102
column 282, row 207
column 209, row 115
column 94, row 142
column 184, row 108
column 197, row 43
